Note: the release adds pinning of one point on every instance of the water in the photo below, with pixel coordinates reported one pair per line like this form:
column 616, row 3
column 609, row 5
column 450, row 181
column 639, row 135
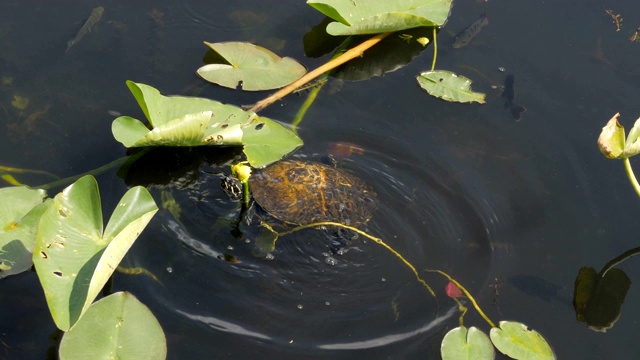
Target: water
column 462, row 188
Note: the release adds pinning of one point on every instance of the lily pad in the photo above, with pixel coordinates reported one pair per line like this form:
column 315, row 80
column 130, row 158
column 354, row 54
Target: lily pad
column 598, row 298
column 250, row 66
column 612, row 142
column 472, row 344
column 517, row 341
column 374, row 17
column 449, row 86
column 73, row 257
column 20, row 212
column 116, row 327
column 192, row 121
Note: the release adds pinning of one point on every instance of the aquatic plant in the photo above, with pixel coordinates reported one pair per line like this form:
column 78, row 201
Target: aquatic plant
column 74, row 256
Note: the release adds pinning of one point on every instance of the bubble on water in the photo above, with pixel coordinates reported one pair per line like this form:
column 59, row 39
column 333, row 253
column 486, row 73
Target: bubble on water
column 502, row 69
column 230, row 248
column 342, row 251
column 300, row 307
column 269, row 256
column 331, row 261
column 326, row 254
column 169, row 269
column 247, row 241
column 383, row 279
column 327, row 303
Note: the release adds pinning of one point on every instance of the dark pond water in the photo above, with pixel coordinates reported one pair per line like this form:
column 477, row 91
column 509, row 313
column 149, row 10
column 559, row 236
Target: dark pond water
column 463, row 188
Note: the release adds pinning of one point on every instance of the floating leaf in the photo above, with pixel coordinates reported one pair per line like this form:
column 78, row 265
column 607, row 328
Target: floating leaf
column 73, row 257
column 374, row 17
column 253, row 67
column 116, row 327
column 192, row 121
column 515, row 340
column 20, row 212
column 598, row 298
column 472, row 344
column 449, row 86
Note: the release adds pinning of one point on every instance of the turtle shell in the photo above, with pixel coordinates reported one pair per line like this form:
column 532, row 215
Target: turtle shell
column 302, row 192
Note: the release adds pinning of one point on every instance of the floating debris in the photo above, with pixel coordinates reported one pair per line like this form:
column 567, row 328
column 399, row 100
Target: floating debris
column 635, row 37
column 343, row 149
column 20, row 102
column 94, row 17
column 464, row 38
column 617, row 20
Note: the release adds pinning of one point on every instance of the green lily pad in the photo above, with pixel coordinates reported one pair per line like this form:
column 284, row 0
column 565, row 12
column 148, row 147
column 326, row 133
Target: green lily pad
column 73, row 257
column 192, row 121
column 253, row 67
column 449, row 86
column 472, row 344
column 374, row 17
column 20, row 212
column 517, row 341
column 116, row 327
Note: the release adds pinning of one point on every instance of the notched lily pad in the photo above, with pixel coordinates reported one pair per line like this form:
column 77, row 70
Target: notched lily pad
column 517, row 341
column 460, row 343
column 449, row 86
column 20, row 212
column 373, row 17
column 252, row 67
column 116, row 327
column 74, row 257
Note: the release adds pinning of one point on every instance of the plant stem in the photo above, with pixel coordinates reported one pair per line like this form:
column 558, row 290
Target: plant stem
column 330, row 65
column 371, row 237
column 631, row 176
column 435, row 50
column 245, row 193
column 467, row 294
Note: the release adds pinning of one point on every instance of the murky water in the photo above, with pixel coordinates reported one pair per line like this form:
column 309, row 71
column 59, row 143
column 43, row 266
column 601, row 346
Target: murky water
column 466, row 189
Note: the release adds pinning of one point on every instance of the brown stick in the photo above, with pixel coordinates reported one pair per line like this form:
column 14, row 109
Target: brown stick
column 349, row 55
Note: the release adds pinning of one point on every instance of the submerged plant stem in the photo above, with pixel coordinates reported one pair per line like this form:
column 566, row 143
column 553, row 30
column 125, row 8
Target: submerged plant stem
column 473, row 301
column 632, row 177
column 330, row 65
column 314, row 92
column 371, row 237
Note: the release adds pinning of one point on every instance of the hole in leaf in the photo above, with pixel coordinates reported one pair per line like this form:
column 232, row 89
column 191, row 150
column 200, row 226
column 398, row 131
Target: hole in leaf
column 259, row 126
column 59, row 244
column 43, row 255
column 57, row 273
column 224, row 126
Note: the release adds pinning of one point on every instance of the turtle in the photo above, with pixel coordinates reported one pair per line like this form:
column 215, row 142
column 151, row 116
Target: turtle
column 298, row 192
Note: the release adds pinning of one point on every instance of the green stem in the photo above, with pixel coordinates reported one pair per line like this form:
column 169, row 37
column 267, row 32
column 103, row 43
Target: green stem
column 631, row 176
column 73, row 178
column 245, row 193
column 473, row 301
column 615, row 262
column 371, row 237
column 435, row 50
